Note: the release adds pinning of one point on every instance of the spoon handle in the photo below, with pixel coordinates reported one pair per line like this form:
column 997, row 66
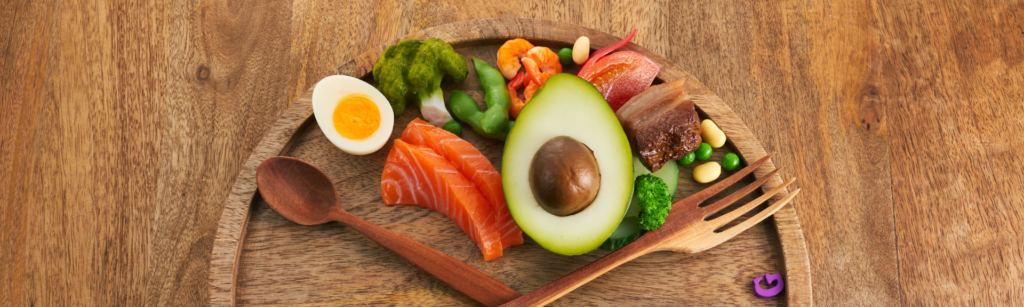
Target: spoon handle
column 475, row 284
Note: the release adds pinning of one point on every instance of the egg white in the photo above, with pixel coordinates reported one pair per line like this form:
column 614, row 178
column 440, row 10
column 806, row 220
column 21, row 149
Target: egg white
column 326, row 95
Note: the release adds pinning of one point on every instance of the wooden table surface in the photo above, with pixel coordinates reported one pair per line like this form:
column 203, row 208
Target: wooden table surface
column 123, row 124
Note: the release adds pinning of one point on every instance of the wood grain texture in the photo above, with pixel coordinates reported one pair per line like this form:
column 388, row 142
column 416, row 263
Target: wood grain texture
column 956, row 117
column 118, row 148
column 303, row 194
column 257, row 273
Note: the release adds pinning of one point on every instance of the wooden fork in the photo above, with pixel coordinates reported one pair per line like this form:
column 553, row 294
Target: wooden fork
column 686, row 229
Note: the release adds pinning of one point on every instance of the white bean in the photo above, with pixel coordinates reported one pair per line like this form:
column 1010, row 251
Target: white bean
column 711, row 134
column 581, row 50
column 707, row 172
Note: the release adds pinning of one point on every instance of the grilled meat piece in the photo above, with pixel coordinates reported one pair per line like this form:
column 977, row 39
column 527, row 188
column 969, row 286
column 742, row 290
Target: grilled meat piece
column 661, row 124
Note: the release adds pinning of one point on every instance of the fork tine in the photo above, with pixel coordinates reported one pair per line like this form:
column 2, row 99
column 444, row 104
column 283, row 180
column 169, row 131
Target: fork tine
column 735, row 230
column 725, row 202
column 735, row 214
column 699, row 197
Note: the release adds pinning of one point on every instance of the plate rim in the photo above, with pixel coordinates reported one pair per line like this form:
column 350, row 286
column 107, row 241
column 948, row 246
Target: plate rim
column 232, row 226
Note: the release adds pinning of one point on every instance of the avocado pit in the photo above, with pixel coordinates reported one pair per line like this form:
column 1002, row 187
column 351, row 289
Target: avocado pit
column 564, row 176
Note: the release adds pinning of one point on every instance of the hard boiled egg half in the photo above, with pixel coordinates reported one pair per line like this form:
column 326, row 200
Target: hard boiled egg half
column 353, row 114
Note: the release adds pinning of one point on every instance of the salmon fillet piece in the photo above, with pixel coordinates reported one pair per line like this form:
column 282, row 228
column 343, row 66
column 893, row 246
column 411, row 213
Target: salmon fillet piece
column 417, row 175
column 472, row 164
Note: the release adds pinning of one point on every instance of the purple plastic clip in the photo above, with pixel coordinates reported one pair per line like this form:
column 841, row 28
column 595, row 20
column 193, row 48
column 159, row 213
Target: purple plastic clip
column 769, row 279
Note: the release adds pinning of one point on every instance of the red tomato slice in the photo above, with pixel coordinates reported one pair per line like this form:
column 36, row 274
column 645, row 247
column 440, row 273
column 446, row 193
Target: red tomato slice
column 620, row 76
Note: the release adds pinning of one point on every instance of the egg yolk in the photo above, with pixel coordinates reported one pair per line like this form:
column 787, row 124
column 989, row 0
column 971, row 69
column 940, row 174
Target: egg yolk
column 356, row 117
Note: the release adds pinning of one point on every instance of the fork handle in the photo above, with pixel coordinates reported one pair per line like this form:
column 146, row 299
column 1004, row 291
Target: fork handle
column 567, row 283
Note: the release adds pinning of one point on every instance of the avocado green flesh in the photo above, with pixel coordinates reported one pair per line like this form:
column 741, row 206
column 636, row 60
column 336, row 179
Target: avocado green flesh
column 570, row 106
column 628, row 230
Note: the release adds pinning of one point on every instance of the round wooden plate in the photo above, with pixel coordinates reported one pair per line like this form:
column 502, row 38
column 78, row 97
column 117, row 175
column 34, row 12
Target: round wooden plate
column 261, row 258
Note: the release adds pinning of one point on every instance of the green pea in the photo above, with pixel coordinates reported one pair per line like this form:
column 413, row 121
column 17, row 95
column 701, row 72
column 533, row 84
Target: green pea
column 454, row 127
column 687, row 159
column 704, row 151
column 565, row 56
column 730, row 162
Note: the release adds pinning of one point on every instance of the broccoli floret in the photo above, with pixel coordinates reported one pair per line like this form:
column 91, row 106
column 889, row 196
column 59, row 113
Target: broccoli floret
column 653, row 198
column 413, row 68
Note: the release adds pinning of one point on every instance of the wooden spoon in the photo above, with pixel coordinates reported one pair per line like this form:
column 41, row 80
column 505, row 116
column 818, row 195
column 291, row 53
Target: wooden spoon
column 302, row 193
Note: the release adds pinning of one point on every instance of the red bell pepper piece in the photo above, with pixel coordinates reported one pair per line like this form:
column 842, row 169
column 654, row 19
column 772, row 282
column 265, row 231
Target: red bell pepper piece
column 516, row 104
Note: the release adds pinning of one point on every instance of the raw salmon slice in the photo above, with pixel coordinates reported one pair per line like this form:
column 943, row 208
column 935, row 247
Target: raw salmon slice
column 416, row 175
column 472, row 164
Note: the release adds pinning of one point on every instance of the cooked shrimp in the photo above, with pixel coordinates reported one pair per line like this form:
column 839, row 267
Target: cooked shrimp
column 541, row 63
column 509, row 55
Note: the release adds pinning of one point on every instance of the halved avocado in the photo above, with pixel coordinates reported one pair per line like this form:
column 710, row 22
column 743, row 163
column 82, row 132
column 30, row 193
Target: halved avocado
column 566, row 146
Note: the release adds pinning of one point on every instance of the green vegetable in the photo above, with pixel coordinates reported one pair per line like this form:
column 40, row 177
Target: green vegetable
column 494, row 122
column 730, row 162
column 413, row 68
column 704, row 151
column 627, row 232
column 654, row 200
column 668, row 173
column 629, row 229
column 565, row 56
column 496, row 97
column 454, row 127
column 687, row 159
column 467, row 110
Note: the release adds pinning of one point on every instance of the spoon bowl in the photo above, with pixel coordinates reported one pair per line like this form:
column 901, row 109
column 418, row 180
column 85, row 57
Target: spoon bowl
column 298, row 191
